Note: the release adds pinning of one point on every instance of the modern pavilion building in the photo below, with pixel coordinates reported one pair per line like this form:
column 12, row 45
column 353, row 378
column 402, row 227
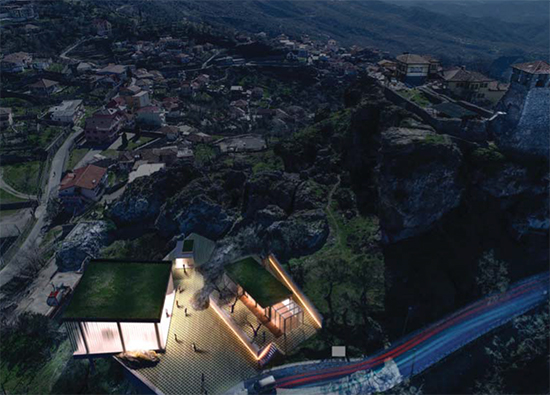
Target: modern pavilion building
column 121, row 306
column 267, row 297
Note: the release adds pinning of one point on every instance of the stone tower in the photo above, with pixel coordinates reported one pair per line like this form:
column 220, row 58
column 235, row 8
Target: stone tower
column 525, row 129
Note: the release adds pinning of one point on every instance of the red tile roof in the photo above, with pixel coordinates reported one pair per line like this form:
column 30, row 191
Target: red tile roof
column 85, row 177
column 537, row 67
column 44, row 84
column 463, row 75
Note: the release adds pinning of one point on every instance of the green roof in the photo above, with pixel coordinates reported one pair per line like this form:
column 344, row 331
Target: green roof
column 115, row 290
column 188, row 245
column 257, row 282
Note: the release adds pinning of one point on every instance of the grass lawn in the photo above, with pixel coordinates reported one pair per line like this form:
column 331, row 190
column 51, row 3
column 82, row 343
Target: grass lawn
column 121, row 290
column 416, row 97
column 257, row 281
column 76, row 156
column 6, row 197
column 23, row 177
column 44, row 138
column 138, row 143
column 110, row 153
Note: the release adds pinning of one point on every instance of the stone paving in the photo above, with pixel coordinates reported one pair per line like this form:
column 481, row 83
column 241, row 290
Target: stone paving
column 221, row 357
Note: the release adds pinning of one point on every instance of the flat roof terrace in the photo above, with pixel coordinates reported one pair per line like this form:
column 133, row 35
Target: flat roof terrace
column 123, row 291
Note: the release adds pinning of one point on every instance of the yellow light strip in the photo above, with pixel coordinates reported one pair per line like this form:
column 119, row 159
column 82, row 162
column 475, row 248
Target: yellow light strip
column 266, row 349
column 248, row 347
column 294, row 290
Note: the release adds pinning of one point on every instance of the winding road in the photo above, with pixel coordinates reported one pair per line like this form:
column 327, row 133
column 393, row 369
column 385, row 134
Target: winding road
column 54, row 178
column 414, row 353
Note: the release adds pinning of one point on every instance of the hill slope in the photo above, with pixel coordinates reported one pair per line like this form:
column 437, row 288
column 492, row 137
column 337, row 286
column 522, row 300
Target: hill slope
column 394, row 28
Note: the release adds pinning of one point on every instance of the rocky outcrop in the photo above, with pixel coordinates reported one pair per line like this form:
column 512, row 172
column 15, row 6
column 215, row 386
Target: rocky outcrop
column 301, row 234
column 270, row 188
column 85, row 241
column 524, row 128
column 520, row 191
column 418, row 181
column 142, row 200
column 196, row 208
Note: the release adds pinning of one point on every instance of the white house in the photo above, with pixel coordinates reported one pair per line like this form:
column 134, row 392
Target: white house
column 68, row 112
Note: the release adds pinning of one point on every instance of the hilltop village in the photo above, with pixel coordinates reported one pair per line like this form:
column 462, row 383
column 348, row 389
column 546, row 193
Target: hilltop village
column 227, row 154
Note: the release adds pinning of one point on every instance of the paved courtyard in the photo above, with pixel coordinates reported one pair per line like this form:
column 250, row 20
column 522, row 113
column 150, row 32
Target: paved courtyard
column 245, row 318
column 221, row 357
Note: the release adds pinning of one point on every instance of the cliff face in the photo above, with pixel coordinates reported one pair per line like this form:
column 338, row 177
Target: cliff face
column 418, row 181
column 525, row 129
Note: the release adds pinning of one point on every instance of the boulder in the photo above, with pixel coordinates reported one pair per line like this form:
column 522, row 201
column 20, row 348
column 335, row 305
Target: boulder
column 418, row 181
column 85, row 241
column 270, row 188
column 139, row 359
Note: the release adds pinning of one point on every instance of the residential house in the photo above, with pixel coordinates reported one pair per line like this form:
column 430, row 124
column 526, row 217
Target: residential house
column 23, row 13
column 412, row 69
column 532, row 74
column 102, row 27
column 15, row 62
column 84, row 67
column 103, row 126
column 257, row 93
column 82, row 186
column 151, row 116
column 171, row 132
column 186, row 89
column 41, row 64
column 198, row 137
column 469, row 85
column 44, row 87
column 495, row 91
column 6, row 117
column 116, row 71
column 171, row 103
column 236, row 92
column 68, row 112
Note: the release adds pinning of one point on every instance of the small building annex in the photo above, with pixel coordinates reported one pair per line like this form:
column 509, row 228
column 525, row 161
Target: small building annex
column 120, row 306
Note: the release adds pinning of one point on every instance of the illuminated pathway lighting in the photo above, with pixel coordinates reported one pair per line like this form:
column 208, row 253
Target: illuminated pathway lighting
column 296, row 292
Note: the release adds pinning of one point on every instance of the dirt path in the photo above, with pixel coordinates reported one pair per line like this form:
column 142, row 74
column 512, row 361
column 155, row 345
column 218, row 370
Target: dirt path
column 329, row 210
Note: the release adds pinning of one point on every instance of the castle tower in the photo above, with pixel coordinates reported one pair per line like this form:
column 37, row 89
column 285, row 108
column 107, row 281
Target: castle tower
column 525, row 129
